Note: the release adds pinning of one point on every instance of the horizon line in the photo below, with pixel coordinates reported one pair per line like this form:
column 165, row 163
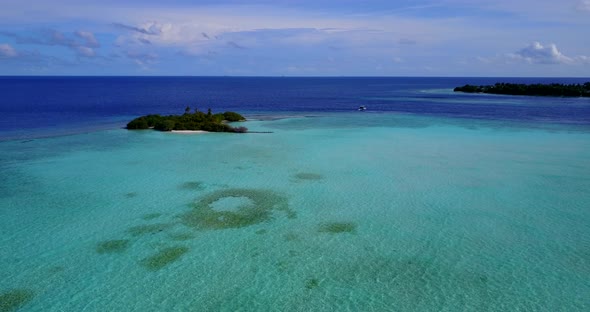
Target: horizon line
column 278, row 76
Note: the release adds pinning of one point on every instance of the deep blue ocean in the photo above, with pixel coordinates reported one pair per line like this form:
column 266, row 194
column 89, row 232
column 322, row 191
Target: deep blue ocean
column 30, row 106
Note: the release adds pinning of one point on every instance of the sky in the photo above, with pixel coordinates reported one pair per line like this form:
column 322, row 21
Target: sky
column 500, row 38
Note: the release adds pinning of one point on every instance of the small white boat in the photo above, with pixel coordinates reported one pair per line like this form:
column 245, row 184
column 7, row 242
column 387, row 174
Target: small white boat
column 362, row 108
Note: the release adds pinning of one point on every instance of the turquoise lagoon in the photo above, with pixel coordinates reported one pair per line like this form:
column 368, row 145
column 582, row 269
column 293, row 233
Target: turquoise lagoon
column 330, row 212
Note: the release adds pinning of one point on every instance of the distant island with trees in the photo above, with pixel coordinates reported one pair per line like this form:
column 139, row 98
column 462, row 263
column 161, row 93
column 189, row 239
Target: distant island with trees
column 553, row 89
column 189, row 121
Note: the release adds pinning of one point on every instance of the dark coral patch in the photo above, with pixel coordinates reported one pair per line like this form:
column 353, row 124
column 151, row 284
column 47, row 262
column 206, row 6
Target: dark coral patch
column 308, row 176
column 192, row 186
column 337, row 227
column 148, row 229
column 181, row 236
column 112, row 246
column 289, row 237
column 15, row 299
column 151, row 216
column 164, row 257
column 55, row 269
column 312, row 283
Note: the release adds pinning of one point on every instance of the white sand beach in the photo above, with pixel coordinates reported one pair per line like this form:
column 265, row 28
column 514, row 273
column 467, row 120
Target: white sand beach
column 189, row 131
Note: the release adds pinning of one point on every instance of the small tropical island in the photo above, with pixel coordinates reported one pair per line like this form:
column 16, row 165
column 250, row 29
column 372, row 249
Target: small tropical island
column 197, row 121
column 553, row 89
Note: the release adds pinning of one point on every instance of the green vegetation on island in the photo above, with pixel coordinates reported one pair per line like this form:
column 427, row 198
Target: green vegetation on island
column 189, row 121
column 553, row 89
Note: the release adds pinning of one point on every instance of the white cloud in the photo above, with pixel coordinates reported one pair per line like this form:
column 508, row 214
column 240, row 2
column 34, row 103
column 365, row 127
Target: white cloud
column 29, row 58
column 183, row 27
column 584, row 5
column 143, row 60
column 274, row 31
column 81, row 42
column 85, row 51
column 90, row 40
column 186, row 36
column 7, row 51
column 582, row 59
column 485, row 60
column 538, row 54
column 200, row 39
column 535, row 53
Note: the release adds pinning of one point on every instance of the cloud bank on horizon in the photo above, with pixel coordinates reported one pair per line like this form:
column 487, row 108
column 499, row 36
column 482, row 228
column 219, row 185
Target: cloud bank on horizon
column 296, row 38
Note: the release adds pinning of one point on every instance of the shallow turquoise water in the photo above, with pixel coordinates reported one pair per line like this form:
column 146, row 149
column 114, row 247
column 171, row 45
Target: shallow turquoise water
column 359, row 212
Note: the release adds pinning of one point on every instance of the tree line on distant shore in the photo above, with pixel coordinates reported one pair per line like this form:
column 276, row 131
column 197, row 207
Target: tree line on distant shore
column 189, row 121
column 553, row 89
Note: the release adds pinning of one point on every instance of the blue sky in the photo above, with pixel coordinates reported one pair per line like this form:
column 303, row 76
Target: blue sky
column 296, row 38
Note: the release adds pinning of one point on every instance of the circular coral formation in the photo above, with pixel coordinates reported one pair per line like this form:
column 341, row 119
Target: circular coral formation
column 258, row 208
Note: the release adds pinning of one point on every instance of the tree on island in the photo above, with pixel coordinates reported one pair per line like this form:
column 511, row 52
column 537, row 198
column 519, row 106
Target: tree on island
column 196, row 121
column 553, row 89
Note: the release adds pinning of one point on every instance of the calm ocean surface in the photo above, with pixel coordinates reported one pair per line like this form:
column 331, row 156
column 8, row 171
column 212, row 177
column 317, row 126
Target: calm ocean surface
column 54, row 105
column 428, row 201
